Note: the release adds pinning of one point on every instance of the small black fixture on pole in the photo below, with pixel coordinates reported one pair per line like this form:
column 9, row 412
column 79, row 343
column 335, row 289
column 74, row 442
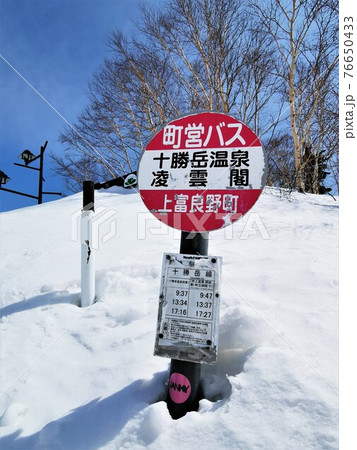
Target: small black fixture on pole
column 3, row 178
column 28, row 157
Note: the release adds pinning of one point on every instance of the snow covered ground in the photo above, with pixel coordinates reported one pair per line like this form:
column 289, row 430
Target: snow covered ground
column 86, row 378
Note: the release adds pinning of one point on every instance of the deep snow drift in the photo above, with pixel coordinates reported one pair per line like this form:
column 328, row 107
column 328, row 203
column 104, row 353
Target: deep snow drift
column 86, row 378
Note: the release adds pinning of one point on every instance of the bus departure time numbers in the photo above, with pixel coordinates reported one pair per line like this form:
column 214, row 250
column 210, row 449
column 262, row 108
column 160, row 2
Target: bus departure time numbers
column 200, row 308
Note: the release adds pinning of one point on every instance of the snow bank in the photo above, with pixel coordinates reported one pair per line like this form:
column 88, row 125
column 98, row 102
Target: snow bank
column 86, row 378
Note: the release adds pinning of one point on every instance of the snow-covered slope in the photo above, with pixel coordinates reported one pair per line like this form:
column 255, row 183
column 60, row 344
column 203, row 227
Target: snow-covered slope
column 86, row 378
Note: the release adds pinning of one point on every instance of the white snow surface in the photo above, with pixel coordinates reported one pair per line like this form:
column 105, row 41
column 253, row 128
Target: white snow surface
column 86, row 378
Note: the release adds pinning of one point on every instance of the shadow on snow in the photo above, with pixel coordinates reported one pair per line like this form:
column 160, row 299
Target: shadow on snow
column 42, row 300
column 94, row 424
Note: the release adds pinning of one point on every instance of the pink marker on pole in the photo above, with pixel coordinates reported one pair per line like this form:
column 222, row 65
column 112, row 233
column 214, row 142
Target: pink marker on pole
column 179, row 388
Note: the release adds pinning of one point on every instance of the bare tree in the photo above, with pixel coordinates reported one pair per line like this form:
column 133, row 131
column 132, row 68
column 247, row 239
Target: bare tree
column 76, row 169
column 304, row 34
column 251, row 61
column 191, row 55
column 281, row 164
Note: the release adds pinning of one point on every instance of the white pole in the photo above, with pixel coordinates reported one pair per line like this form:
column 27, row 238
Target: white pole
column 87, row 251
column 87, row 260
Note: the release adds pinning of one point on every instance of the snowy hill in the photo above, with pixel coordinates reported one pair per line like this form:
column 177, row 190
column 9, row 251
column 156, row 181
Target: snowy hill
column 86, row 378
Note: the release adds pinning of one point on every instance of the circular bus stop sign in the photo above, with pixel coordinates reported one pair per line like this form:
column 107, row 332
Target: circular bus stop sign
column 202, row 172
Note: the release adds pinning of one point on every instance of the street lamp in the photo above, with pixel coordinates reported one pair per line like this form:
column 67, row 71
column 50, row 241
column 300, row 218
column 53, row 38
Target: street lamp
column 3, row 178
column 27, row 157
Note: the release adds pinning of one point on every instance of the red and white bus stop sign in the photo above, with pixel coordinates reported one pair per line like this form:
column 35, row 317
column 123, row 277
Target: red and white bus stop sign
column 202, row 172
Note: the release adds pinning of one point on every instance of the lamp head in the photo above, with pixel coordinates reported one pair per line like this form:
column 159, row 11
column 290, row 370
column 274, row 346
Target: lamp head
column 3, row 178
column 27, row 156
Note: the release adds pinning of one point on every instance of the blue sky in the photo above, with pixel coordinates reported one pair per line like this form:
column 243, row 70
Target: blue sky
column 56, row 45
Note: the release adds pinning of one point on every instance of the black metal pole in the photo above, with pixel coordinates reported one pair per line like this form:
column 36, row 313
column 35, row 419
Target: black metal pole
column 40, row 175
column 194, row 243
column 18, row 193
column 27, row 167
column 184, row 382
column 52, row 193
column 88, row 195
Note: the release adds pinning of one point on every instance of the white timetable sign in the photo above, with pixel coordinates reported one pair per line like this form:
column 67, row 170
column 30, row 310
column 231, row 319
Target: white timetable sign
column 187, row 327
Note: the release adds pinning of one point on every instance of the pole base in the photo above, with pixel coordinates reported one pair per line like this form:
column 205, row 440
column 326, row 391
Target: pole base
column 184, row 389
